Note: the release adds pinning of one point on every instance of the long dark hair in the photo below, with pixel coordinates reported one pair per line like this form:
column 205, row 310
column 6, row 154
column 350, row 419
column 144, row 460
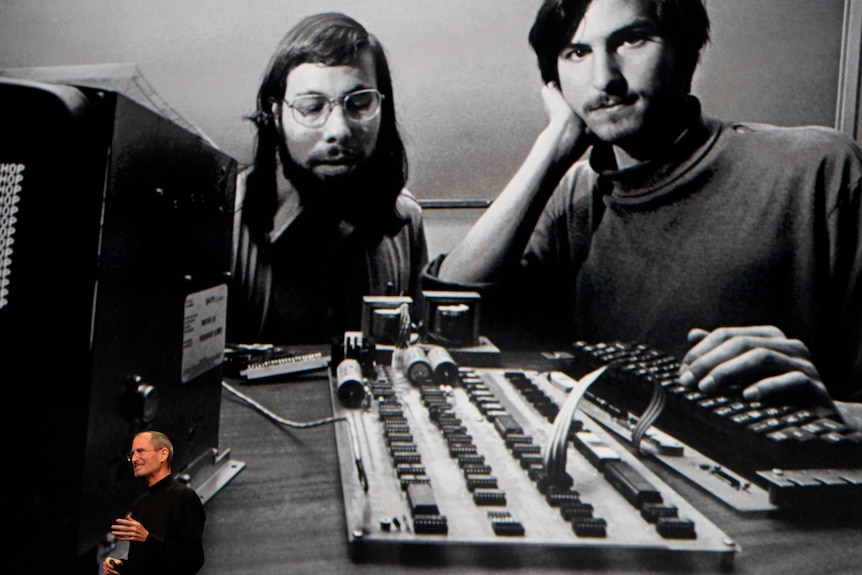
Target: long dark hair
column 684, row 23
column 331, row 39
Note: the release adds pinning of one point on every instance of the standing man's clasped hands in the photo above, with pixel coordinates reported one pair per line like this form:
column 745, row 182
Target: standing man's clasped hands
column 128, row 529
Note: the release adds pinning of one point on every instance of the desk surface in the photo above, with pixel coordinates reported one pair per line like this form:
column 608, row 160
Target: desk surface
column 284, row 514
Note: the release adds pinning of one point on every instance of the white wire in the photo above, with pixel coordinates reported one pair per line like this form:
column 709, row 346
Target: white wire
column 402, row 340
column 354, row 444
column 650, row 414
column 276, row 418
column 555, row 453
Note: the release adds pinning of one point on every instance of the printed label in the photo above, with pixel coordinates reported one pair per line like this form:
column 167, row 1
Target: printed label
column 204, row 323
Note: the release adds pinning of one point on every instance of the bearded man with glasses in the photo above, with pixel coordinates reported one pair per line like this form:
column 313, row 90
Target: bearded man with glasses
column 323, row 215
column 165, row 527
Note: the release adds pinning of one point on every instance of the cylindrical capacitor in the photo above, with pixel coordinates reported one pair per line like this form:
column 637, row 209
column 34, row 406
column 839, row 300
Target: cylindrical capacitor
column 443, row 367
column 416, row 365
column 350, row 390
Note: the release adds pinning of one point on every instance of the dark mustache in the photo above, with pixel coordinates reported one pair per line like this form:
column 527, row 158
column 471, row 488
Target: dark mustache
column 607, row 101
column 334, row 154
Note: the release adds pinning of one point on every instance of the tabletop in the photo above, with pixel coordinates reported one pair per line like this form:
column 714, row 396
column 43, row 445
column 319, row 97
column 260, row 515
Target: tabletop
column 284, row 512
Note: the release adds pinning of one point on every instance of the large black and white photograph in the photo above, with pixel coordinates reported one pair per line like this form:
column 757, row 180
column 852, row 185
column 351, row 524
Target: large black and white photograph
column 369, row 286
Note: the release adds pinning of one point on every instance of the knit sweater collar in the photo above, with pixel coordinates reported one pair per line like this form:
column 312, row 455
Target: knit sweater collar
column 161, row 484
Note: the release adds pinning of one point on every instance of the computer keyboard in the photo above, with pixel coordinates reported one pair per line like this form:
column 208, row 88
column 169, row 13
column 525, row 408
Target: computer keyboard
column 759, row 441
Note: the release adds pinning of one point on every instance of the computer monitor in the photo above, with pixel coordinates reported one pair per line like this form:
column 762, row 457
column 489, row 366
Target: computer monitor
column 115, row 227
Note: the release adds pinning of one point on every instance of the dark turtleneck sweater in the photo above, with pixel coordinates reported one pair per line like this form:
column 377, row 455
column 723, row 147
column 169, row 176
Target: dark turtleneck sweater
column 735, row 224
column 174, row 515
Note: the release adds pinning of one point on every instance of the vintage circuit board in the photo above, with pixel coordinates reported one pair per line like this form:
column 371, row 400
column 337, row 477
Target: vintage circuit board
column 453, row 473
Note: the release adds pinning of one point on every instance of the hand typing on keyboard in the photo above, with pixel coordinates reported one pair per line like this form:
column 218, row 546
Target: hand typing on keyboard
column 760, row 360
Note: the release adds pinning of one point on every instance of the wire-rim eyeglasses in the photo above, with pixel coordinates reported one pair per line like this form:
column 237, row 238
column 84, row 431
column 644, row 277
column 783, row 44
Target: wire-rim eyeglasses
column 313, row 110
column 139, row 451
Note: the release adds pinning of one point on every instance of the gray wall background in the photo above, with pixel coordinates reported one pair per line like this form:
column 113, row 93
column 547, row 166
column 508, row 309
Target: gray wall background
column 466, row 83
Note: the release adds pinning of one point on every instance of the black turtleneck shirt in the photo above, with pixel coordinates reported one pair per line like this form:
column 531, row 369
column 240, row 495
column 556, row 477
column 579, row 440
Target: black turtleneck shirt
column 174, row 515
